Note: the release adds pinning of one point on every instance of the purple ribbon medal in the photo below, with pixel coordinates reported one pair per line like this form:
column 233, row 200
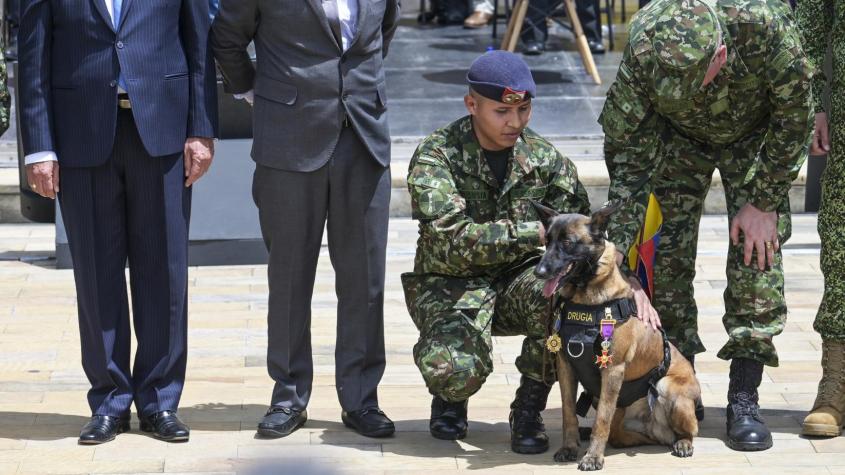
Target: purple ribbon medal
column 606, row 326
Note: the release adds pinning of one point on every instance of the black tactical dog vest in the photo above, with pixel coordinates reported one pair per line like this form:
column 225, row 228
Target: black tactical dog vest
column 581, row 331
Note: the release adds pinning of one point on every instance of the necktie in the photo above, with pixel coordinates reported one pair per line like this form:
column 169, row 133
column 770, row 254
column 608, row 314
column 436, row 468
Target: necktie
column 330, row 7
column 118, row 6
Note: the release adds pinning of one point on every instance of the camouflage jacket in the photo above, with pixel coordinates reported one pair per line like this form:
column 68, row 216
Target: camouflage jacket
column 815, row 20
column 764, row 89
column 471, row 227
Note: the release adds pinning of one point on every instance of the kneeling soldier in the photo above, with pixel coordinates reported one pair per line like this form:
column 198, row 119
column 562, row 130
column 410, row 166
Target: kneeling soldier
column 471, row 184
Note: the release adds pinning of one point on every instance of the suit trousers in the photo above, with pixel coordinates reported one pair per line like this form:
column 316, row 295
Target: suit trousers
column 350, row 196
column 133, row 207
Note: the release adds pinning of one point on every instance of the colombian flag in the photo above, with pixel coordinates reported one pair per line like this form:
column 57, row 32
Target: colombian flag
column 642, row 254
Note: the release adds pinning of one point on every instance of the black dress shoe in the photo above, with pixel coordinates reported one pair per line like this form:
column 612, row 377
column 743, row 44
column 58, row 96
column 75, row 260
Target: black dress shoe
column 533, row 48
column 101, row 429
column 596, row 47
column 448, row 419
column 281, row 422
column 165, row 425
column 369, row 422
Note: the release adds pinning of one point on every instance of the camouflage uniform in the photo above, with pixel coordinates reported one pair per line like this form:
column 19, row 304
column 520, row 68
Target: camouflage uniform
column 5, row 98
column 475, row 255
column 666, row 134
column 816, row 19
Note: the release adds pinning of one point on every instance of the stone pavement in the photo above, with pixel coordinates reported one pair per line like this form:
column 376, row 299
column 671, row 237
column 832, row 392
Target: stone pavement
column 42, row 386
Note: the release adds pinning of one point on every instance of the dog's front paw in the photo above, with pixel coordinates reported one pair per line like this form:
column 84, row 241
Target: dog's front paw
column 591, row 462
column 682, row 448
column 566, row 454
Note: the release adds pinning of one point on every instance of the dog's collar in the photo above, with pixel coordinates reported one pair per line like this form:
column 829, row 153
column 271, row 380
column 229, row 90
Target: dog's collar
column 592, row 315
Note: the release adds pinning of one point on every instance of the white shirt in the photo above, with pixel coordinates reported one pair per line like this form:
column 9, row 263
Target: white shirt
column 49, row 155
column 347, row 13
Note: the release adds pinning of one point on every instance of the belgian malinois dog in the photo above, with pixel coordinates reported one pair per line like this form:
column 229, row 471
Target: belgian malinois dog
column 579, row 266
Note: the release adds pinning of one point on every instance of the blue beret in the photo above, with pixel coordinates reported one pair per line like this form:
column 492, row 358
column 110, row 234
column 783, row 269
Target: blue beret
column 501, row 76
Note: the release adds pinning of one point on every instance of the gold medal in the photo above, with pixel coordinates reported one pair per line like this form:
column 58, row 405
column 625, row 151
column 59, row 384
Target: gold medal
column 553, row 344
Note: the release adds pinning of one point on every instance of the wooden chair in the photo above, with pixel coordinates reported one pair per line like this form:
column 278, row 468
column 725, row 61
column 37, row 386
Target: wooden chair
column 520, row 9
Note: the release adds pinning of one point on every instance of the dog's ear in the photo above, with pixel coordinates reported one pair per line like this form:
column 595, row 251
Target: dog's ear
column 546, row 214
column 601, row 218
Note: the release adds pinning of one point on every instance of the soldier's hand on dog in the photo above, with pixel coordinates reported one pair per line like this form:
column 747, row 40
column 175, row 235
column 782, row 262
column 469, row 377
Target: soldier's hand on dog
column 645, row 311
column 821, row 136
column 759, row 231
column 43, row 178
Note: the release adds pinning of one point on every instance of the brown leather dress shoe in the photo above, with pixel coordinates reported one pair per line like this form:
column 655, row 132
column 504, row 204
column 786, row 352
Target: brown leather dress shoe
column 478, row 20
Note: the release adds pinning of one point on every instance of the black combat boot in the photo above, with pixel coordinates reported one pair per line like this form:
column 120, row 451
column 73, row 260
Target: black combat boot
column 699, row 405
column 528, row 434
column 746, row 430
column 448, row 419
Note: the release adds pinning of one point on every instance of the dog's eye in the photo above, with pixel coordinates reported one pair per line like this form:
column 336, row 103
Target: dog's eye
column 566, row 243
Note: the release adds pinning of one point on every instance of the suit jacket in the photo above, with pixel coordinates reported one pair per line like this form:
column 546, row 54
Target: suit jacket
column 71, row 55
column 305, row 85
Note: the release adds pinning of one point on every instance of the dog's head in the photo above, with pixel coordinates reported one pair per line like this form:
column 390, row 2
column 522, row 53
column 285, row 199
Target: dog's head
column 574, row 245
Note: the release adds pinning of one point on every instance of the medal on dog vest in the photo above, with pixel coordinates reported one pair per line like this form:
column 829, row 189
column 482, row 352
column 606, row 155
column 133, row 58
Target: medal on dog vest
column 553, row 343
column 607, row 326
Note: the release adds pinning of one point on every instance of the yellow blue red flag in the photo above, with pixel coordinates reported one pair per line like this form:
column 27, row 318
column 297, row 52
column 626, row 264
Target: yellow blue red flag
column 642, row 254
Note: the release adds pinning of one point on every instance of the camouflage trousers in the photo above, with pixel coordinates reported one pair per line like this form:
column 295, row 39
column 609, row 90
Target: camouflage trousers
column 830, row 319
column 457, row 318
column 755, row 309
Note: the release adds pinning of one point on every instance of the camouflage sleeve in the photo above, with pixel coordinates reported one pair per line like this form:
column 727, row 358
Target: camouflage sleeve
column 461, row 243
column 815, row 21
column 788, row 74
column 632, row 147
column 566, row 192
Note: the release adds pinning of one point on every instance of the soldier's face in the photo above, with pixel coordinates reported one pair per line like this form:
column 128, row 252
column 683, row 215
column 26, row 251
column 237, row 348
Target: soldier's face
column 497, row 125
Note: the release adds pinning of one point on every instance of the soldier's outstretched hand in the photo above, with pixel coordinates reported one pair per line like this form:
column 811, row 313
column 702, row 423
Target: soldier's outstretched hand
column 759, row 231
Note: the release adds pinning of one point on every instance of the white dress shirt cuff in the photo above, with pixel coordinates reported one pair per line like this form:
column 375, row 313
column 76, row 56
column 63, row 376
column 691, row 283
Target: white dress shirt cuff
column 38, row 157
column 248, row 96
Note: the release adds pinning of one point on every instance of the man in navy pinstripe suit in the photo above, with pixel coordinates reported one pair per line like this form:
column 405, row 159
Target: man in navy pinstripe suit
column 120, row 95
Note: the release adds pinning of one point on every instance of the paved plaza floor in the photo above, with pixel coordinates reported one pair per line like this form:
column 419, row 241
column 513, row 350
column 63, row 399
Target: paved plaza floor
column 42, row 386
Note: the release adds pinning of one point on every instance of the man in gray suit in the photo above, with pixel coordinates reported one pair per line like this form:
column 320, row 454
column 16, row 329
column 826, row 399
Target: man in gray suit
column 322, row 148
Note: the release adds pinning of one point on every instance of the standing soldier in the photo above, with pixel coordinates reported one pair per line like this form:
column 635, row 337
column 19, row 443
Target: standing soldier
column 708, row 84
column 816, row 19
column 471, row 186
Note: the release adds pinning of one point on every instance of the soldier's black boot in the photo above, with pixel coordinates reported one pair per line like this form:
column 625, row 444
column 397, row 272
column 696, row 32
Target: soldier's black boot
column 699, row 405
column 448, row 419
column 746, row 430
column 528, row 434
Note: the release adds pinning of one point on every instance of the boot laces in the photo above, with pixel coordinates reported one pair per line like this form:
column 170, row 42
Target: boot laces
column 746, row 406
column 831, row 386
column 527, row 415
column 527, row 420
column 448, row 409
